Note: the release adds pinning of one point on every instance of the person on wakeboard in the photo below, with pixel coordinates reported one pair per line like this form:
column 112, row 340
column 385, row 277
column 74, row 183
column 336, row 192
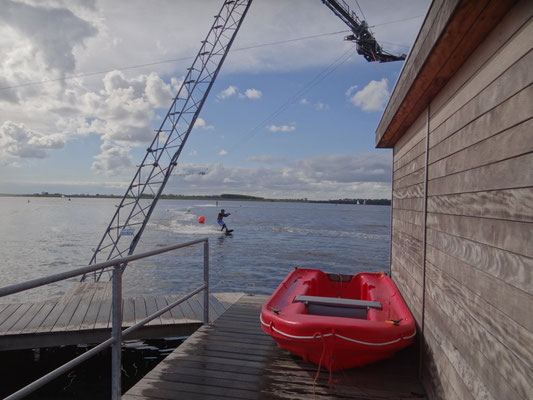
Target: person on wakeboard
column 220, row 220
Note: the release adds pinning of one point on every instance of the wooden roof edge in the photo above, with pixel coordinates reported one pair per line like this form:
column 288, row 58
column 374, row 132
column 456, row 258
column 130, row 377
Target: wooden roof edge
column 450, row 33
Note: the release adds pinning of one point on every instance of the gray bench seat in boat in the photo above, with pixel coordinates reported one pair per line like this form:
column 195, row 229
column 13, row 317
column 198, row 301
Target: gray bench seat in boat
column 337, row 302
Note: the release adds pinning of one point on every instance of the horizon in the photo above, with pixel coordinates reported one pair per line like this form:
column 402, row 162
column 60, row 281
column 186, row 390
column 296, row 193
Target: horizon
column 165, row 196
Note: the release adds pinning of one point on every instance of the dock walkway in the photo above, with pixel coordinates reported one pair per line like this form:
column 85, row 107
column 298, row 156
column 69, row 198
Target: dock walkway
column 83, row 316
column 234, row 359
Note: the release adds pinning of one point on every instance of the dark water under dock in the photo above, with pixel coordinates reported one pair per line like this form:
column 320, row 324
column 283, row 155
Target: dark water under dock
column 90, row 380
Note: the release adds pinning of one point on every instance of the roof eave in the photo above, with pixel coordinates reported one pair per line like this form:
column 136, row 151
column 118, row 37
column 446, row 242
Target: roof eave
column 451, row 32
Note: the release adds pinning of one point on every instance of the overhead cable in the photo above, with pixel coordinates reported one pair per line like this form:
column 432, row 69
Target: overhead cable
column 165, row 61
column 298, row 95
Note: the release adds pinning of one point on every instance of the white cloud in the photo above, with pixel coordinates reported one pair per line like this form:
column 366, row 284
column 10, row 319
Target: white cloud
column 121, row 112
column 157, row 92
column 200, row 123
column 50, row 34
column 100, row 35
column 18, row 141
column 350, row 90
column 335, row 176
column 321, row 106
column 281, row 128
column 362, row 167
column 223, row 152
column 233, row 91
column 227, row 93
column 373, row 97
column 175, row 33
column 253, row 94
column 124, row 110
column 112, row 160
column 318, row 106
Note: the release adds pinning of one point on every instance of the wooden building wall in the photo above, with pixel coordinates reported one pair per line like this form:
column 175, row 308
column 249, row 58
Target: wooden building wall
column 465, row 266
column 407, row 232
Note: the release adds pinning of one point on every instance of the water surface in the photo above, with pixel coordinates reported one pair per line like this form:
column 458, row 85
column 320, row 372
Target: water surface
column 42, row 236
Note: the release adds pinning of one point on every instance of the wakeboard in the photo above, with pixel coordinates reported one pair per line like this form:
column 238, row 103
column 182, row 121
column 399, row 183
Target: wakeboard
column 228, row 232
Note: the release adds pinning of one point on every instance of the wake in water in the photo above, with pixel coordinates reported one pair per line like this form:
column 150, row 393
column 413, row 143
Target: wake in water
column 183, row 222
column 328, row 233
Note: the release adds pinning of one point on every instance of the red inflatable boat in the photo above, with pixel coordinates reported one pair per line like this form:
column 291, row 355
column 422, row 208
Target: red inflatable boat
column 338, row 321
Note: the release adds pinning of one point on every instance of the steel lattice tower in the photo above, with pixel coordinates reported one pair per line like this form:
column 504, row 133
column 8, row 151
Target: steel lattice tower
column 134, row 210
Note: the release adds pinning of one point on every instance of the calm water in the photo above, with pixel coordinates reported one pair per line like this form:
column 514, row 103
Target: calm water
column 50, row 235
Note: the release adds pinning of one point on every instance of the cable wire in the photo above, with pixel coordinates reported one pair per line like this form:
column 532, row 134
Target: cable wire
column 394, row 22
column 190, row 57
column 344, row 57
column 362, row 13
column 166, row 61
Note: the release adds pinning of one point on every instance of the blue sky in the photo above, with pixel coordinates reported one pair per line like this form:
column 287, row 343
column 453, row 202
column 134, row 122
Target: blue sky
column 269, row 127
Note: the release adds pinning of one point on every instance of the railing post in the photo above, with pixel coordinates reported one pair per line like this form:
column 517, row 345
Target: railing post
column 116, row 351
column 206, row 282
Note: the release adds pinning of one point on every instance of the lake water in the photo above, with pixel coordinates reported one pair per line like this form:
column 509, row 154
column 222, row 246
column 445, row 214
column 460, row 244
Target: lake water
column 42, row 236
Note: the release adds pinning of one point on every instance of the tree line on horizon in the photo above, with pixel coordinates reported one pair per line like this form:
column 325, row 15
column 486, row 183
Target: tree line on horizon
column 221, row 197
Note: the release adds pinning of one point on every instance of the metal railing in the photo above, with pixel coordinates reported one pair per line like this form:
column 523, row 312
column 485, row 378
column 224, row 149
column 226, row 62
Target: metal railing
column 117, row 334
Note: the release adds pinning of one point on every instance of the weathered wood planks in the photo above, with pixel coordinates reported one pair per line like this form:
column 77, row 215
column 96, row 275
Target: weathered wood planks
column 499, row 369
column 464, row 264
column 234, row 358
column 481, row 55
column 498, row 119
column 82, row 315
column 510, row 204
column 408, row 217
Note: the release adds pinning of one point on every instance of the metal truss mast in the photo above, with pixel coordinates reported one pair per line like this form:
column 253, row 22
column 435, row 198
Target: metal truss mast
column 132, row 214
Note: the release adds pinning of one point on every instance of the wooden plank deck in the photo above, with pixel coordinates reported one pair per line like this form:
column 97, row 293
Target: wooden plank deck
column 83, row 315
column 233, row 358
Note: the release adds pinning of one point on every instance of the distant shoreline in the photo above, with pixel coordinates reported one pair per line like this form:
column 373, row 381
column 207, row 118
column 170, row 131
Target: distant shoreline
column 222, row 197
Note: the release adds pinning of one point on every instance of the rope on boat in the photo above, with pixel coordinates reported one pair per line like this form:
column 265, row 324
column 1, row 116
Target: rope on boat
column 271, row 326
column 318, row 334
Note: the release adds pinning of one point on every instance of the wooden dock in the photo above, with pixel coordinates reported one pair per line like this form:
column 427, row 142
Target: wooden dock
column 233, row 358
column 83, row 316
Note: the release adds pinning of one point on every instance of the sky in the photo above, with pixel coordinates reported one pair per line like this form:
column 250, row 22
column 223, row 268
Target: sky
column 292, row 114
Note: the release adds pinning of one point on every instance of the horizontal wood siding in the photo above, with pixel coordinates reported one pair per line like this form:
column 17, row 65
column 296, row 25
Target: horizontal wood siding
column 408, row 217
column 476, row 309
